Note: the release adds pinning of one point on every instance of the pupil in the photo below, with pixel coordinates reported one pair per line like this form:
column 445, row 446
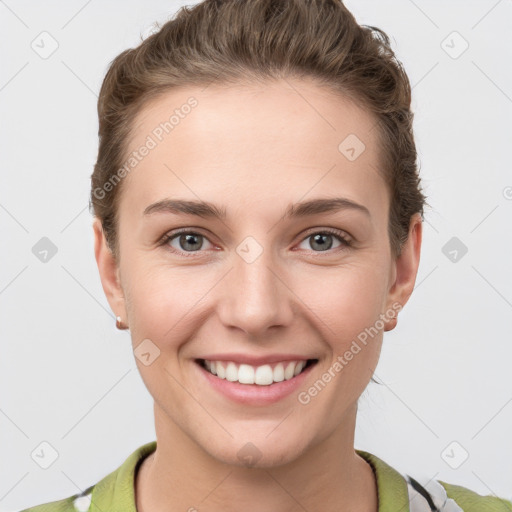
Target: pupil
column 186, row 239
column 322, row 245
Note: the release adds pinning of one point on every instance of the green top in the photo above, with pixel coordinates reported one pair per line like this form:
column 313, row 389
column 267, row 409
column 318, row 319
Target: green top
column 115, row 492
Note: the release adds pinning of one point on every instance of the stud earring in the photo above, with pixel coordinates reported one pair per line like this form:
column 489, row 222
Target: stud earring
column 120, row 325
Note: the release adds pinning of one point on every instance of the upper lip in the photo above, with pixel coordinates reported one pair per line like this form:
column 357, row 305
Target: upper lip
column 255, row 360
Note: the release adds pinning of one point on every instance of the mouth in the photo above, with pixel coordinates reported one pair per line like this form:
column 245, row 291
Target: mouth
column 264, row 375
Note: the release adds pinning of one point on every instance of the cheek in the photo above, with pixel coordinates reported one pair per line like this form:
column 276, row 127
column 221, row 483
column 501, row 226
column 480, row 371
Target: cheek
column 164, row 301
column 158, row 325
column 346, row 300
column 152, row 296
column 156, row 311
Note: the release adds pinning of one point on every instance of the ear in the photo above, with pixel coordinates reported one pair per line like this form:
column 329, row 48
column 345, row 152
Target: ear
column 109, row 272
column 404, row 271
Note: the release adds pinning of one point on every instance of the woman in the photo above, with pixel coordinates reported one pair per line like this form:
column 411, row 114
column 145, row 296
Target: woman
column 258, row 226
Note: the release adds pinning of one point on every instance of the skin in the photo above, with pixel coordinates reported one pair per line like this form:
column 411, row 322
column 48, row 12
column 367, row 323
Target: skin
column 254, row 150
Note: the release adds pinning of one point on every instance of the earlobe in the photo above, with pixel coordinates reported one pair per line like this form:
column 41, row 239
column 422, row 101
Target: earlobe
column 390, row 324
column 108, row 270
column 406, row 269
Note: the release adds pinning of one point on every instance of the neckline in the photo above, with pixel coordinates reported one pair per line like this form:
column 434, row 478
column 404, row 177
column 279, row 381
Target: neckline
column 116, row 492
column 392, row 493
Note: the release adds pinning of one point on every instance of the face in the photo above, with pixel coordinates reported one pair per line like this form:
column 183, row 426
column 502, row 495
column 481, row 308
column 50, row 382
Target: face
column 266, row 278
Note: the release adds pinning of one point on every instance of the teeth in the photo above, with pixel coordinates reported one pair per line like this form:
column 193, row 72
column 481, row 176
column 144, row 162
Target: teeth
column 261, row 375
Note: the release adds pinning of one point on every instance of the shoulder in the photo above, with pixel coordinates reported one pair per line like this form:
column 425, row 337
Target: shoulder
column 470, row 500
column 437, row 495
column 397, row 490
column 117, row 488
column 76, row 503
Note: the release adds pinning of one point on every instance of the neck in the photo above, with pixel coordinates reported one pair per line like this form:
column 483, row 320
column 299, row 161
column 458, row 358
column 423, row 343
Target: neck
column 181, row 476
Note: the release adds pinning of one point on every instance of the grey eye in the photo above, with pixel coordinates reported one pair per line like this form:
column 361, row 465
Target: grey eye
column 188, row 242
column 321, row 241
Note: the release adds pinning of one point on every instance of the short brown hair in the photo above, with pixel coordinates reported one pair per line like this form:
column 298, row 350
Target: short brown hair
column 235, row 41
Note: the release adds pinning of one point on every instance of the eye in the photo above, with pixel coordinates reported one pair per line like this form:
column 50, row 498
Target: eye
column 322, row 240
column 184, row 241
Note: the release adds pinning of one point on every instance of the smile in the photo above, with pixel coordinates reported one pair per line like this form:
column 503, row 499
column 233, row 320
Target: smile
column 263, row 375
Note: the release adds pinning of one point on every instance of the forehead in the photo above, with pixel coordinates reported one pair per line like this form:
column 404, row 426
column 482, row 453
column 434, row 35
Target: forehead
column 254, row 144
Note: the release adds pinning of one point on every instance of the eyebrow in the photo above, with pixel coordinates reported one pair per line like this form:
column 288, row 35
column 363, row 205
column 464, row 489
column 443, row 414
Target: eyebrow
column 297, row 210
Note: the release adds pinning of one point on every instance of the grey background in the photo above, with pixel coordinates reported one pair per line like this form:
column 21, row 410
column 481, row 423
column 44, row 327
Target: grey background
column 69, row 378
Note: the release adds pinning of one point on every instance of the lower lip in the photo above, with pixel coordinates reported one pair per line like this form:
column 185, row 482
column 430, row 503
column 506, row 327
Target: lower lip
column 254, row 394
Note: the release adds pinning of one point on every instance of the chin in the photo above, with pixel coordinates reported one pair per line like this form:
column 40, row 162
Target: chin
column 258, row 454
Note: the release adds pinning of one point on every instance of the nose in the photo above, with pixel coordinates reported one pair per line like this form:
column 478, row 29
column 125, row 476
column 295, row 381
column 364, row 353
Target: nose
column 256, row 296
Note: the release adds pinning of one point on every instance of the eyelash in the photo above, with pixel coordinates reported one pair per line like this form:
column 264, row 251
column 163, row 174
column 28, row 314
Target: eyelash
column 345, row 241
